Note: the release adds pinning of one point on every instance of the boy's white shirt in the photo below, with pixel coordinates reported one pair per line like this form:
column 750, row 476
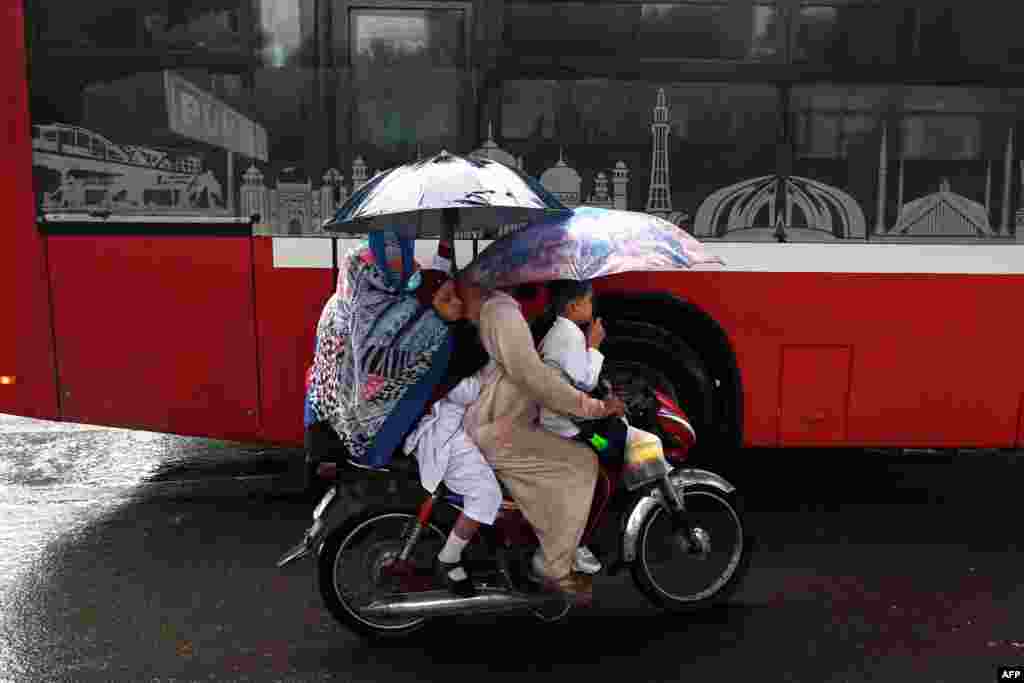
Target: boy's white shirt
column 565, row 347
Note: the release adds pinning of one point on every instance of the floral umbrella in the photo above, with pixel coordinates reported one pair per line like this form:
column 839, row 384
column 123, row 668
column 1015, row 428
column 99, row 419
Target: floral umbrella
column 587, row 244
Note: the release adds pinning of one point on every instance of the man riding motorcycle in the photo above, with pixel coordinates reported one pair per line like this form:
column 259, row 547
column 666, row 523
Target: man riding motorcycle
column 358, row 387
column 552, row 479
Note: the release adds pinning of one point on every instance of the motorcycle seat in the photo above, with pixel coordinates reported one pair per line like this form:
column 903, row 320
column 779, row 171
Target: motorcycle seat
column 401, row 466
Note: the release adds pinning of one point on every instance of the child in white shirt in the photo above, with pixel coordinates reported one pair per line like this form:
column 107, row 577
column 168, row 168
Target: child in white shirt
column 571, row 346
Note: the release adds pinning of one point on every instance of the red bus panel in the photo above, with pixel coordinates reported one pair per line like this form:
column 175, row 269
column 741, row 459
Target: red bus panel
column 157, row 333
column 814, row 395
column 288, row 305
column 27, row 375
column 930, row 364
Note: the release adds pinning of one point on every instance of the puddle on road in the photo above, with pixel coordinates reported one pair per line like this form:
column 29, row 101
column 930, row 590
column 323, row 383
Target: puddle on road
column 57, row 477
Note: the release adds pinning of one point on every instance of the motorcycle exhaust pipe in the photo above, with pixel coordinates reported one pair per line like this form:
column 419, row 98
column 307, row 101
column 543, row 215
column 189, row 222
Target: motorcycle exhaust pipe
column 441, row 603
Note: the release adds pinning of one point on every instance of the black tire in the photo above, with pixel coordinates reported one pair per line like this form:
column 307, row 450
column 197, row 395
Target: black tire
column 339, row 541
column 725, row 584
column 639, row 353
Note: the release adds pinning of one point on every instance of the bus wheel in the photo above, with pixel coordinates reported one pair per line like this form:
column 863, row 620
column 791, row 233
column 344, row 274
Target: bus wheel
column 641, row 356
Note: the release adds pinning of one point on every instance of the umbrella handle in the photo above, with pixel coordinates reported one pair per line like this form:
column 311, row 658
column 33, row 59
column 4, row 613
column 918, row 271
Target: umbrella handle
column 449, row 224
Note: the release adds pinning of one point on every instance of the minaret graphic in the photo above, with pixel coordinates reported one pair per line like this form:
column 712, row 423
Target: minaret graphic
column 659, row 201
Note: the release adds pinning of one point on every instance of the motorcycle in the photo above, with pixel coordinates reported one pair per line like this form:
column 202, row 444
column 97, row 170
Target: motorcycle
column 681, row 535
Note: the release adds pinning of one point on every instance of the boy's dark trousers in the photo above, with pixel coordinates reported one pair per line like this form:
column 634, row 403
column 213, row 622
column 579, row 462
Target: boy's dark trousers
column 613, row 429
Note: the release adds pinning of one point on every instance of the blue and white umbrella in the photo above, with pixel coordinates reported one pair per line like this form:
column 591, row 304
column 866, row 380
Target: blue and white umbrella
column 475, row 198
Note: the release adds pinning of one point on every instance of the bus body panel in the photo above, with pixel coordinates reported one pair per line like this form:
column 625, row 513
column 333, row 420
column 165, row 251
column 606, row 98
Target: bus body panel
column 923, row 372
column 26, row 345
column 288, row 305
column 157, row 333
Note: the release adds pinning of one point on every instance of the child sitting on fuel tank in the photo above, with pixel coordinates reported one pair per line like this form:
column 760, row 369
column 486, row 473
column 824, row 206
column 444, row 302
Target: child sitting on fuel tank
column 571, row 345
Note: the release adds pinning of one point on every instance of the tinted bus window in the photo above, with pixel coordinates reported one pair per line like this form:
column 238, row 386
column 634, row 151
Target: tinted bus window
column 902, row 154
column 853, row 32
column 283, row 107
column 273, row 107
column 710, row 29
column 409, row 91
column 569, row 132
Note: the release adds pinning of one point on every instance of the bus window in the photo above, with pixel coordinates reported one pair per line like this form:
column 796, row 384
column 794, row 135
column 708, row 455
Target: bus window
column 258, row 94
column 592, row 125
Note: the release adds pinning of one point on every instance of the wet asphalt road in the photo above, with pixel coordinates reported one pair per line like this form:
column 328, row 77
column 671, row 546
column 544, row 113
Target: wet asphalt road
column 868, row 569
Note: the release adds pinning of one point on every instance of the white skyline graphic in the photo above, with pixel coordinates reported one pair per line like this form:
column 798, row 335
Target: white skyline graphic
column 95, row 172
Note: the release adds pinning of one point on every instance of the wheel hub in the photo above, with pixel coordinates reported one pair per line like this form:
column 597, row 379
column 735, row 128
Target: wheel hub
column 384, row 564
column 697, row 543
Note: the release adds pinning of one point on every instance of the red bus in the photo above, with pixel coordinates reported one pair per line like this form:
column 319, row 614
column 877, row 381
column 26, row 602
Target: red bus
column 856, row 163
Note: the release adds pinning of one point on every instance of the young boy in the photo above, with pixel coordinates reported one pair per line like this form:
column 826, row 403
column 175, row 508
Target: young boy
column 445, row 452
column 571, row 346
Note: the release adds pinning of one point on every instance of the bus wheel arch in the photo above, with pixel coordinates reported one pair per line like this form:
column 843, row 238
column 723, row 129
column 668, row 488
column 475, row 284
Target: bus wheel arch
column 679, row 339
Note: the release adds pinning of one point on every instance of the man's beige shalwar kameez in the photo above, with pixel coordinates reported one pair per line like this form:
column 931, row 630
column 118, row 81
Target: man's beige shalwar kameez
column 551, row 478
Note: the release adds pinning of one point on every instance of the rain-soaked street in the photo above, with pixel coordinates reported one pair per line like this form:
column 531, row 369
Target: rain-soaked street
column 129, row 556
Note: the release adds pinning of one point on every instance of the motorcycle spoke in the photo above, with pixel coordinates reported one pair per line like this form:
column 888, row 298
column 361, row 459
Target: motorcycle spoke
column 360, row 570
column 678, row 570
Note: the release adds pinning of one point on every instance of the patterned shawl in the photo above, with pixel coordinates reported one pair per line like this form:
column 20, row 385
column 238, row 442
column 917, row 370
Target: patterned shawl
column 379, row 354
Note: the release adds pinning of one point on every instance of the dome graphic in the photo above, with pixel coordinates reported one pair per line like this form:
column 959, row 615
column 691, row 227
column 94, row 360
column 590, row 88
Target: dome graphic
column 563, row 182
column 490, row 150
column 804, row 208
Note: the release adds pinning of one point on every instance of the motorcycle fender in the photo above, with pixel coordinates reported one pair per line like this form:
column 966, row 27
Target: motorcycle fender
column 682, row 479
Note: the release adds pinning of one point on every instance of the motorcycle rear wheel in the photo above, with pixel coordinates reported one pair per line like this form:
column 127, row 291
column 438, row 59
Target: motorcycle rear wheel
column 677, row 581
column 363, row 546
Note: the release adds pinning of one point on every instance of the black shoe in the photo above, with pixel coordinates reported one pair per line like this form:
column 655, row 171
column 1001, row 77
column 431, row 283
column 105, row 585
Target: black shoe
column 463, row 589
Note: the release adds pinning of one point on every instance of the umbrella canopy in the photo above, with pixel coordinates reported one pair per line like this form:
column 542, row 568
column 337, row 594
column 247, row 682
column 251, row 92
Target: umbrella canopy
column 472, row 198
column 587, row 244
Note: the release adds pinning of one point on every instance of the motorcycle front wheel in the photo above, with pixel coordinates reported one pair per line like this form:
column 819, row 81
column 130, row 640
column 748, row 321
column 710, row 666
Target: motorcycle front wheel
column 679, row 577
column 353, row 568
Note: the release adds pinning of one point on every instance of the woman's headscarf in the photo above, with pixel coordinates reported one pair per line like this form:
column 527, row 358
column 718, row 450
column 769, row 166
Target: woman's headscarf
column 379, row 352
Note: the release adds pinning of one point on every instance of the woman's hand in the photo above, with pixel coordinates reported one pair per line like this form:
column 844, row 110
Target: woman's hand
column 447, row 302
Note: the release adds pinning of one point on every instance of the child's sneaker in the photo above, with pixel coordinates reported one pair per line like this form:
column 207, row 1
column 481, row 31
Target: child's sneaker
column 586, row 562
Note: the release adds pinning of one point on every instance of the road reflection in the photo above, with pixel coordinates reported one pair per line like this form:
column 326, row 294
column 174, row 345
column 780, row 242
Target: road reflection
column 60, row 482
column 105, row 577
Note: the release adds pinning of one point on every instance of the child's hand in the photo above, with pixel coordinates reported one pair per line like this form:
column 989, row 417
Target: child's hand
column 614, row 406
column 596, row 334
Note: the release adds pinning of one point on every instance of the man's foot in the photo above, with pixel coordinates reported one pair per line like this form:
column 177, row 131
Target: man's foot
column 586, row 562
column 455, row 578
column 577, row 588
